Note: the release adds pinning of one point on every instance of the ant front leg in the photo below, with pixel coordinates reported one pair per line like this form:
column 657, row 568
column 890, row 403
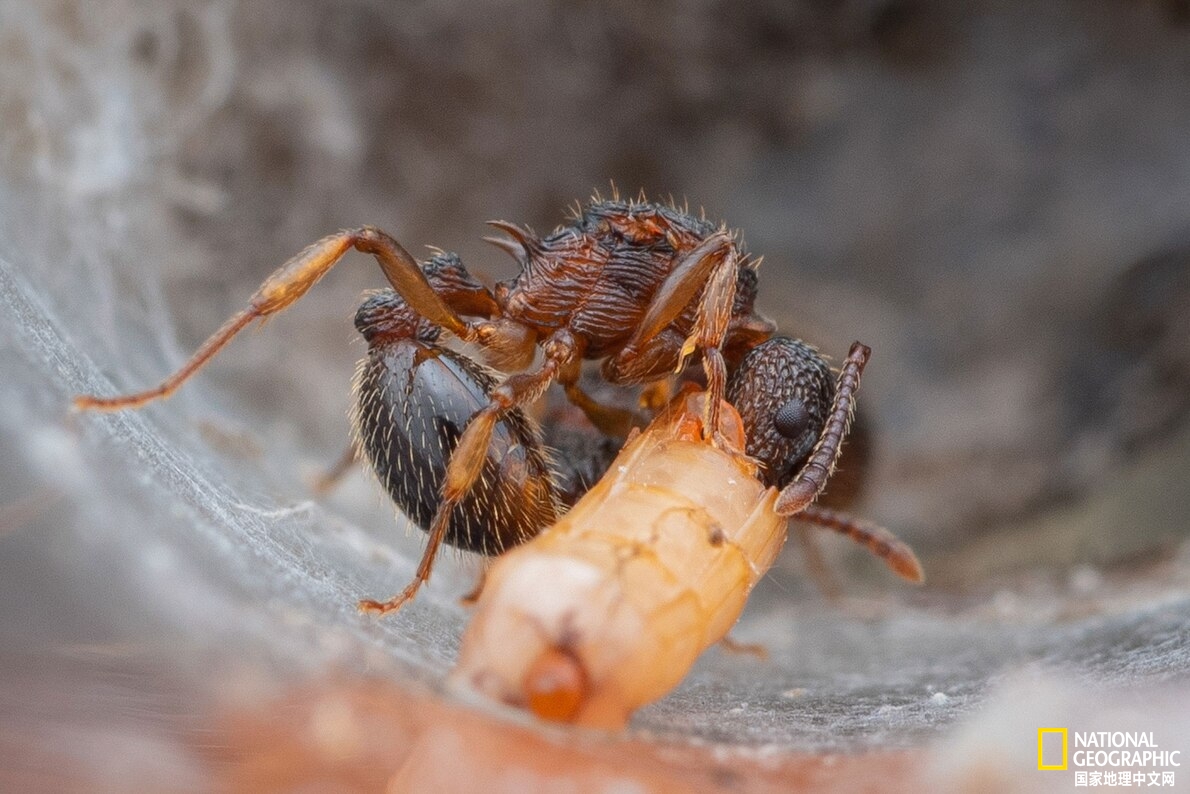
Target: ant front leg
column 712, row 267
column 709, row 333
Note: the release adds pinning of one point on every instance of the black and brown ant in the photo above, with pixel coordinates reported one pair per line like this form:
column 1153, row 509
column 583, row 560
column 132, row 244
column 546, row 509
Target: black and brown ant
column 640, row 287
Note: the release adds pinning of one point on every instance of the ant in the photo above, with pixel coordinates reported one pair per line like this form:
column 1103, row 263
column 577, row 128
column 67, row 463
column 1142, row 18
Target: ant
column 641, row 287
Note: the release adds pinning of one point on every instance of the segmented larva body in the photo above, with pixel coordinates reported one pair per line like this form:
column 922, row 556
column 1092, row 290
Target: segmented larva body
column 608, row 609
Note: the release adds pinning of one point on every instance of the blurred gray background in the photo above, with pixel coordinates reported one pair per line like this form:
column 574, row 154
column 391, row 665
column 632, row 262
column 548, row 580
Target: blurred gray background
column 994, row 196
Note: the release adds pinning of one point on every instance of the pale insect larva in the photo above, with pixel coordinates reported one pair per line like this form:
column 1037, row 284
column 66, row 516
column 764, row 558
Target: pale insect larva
column 608, row 609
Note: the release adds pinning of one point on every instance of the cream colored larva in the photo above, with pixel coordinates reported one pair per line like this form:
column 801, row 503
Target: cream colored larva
column 608, row 609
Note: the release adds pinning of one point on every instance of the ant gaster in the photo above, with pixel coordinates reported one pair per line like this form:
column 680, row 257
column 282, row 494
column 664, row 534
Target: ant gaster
column 640, row 286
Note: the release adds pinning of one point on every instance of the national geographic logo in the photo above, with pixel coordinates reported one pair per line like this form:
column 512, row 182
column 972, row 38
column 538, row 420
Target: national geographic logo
column 1108, row 758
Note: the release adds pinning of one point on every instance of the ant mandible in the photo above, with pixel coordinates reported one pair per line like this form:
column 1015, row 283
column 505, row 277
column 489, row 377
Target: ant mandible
column 637, row 285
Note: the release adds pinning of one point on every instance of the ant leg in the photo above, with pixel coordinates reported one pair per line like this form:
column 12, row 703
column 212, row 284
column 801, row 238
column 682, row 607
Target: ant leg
column 472, row 598
column 754, row 649
column 711, row 267
column 657, row 394
column 207, row 351
column 466, row 462
column 708, row 335
column 824, row 579
column 810, row 481
column 878, row 540
column 325, row 482
column 689, row 275
column 291, row 281
column 609, row 420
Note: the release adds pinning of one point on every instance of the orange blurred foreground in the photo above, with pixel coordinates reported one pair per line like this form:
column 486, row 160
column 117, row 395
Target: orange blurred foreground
column 376, row 736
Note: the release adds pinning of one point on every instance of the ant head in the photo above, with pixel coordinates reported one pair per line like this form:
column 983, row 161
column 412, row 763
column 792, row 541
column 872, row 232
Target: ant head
column 783, row 390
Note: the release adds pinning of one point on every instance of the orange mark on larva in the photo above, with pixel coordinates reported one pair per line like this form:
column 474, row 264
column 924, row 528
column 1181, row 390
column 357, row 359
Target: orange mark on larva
column 689, row 428
column 555, row 686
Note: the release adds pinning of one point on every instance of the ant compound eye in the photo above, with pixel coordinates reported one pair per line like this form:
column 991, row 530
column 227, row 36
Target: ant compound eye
column 792, row 419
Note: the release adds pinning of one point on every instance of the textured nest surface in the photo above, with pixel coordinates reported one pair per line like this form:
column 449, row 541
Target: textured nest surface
column 994, row 201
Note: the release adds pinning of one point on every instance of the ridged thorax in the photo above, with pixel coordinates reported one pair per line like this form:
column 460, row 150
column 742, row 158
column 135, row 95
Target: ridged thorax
column 597, row 274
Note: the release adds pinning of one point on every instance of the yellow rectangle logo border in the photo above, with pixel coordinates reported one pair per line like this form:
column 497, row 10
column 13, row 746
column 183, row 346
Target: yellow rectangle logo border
column 1041, row 732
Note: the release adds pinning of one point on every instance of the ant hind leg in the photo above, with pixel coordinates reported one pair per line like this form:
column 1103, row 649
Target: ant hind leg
column 289, row 283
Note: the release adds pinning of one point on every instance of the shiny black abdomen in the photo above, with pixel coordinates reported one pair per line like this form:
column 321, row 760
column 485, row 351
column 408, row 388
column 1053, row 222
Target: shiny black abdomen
column 414, row 400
